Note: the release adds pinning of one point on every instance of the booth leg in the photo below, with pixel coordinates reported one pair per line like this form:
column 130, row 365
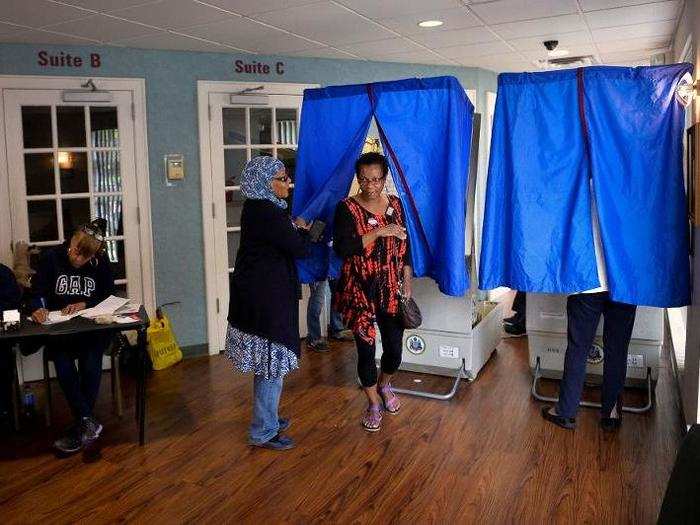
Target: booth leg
column 589, row 404
column 431, row 395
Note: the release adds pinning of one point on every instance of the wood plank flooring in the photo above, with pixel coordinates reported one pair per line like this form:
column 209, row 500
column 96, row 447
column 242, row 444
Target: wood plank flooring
column 485, row 457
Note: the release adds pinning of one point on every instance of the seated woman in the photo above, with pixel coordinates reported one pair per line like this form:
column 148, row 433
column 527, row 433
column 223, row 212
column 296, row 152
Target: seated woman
column 263, row 316
column 70, row 278
column 370, row 235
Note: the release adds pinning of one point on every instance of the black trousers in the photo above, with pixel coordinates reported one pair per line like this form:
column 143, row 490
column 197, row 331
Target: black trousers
column 584, row 311
column 80, row 386
column 519, row 304
column 391, row 329
column 7, row 366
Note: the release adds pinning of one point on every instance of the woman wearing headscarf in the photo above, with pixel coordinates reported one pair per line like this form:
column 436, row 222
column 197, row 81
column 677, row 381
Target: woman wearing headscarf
column 263, row 316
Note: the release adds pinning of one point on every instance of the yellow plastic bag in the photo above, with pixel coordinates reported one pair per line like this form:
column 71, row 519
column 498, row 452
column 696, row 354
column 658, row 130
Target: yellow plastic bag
column 162, row 346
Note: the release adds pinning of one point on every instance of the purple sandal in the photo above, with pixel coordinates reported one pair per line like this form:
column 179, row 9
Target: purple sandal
column 371, row 420
column 391, row 400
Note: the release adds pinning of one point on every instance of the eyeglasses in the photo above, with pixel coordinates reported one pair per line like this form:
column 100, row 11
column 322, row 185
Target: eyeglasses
column 285, row 178
column 365, row 180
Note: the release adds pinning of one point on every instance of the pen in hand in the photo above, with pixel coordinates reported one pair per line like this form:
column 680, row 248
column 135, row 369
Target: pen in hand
column 41, row 314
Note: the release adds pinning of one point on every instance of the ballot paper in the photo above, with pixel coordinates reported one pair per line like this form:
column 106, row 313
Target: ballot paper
column 126, row 319
column 128, row 308
column 56, row 316
column 106, row 307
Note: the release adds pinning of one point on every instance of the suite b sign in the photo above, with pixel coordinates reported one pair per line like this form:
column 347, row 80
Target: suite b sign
column 67, row 60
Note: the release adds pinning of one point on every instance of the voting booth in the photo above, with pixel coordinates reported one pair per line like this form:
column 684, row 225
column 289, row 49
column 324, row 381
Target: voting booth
column 425, row 128
column 458, row 334
column 613, row 138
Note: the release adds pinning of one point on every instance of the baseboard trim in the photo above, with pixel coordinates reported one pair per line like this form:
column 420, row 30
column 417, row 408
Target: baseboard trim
column 195, row 350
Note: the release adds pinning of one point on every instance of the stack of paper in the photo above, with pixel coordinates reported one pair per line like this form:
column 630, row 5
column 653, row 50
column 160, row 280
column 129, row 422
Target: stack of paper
column 106, row 307
column 110, row 306
column 56, row 316
column 129, row 308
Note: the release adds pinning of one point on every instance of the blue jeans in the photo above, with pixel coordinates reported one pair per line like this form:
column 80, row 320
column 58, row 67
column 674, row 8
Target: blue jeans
column 313, row 311
column 583, row 312
column 266, row 399
column 80, row 386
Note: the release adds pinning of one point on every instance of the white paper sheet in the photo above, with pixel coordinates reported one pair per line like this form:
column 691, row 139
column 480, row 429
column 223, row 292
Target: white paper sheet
column 129, row 308
column 56, row 316
column 106, row 307
column 125, row 319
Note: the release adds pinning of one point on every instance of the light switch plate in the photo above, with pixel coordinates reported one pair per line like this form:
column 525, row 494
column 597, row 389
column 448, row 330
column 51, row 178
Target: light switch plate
column 174, row 168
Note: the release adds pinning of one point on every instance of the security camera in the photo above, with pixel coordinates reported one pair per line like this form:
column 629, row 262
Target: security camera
column 551, row 44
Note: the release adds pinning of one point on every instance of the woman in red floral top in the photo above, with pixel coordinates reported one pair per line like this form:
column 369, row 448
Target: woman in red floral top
column 370, row 236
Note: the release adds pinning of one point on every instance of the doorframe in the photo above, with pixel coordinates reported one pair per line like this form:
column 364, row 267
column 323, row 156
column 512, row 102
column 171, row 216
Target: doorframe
column 137, row 86
column 205, row 88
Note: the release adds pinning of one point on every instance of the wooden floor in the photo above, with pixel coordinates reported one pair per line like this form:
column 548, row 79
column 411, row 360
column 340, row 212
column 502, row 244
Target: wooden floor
column 484, row 457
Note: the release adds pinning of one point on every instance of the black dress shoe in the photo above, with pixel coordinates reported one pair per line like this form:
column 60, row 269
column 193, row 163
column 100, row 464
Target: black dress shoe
column 515, row 330
column 610, row 424
column 568, row 423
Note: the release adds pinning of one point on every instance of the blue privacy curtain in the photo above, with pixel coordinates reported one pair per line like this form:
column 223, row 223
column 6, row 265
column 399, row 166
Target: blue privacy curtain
column 636, row 126
column 553, row 131
column 334, row 124
column 537, row 232
column 425, row 129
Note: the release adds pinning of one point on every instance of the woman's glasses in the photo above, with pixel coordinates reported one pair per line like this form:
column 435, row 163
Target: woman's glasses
column 366, row 180
column 284, row 178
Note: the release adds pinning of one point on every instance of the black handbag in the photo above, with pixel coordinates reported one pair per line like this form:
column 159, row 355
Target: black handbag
column 409, row 313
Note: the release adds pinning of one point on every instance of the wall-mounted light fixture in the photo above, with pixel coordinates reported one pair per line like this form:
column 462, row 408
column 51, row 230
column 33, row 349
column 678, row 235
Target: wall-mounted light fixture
column 89, row 93
column 65, row 160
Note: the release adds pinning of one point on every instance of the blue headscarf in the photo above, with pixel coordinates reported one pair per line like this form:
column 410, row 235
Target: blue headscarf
column 257, row 177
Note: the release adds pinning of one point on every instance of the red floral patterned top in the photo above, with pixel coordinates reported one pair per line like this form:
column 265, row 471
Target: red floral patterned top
column 369, row 277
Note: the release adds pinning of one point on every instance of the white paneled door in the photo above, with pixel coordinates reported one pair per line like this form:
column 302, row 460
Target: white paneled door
column 238, row 130
column 70, row 163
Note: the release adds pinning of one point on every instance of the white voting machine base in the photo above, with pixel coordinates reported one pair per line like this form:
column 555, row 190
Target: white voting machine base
column 546, row 328
column 458, row 334
column 447, row 344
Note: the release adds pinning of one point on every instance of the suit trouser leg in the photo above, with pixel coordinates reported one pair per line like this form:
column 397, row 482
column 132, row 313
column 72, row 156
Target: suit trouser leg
column 617, row 332
column 519, row 303
column 583, row 314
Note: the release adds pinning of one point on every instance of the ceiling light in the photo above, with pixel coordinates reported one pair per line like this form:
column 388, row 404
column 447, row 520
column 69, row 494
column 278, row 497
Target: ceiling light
column 430, row 23
column 557, row 53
